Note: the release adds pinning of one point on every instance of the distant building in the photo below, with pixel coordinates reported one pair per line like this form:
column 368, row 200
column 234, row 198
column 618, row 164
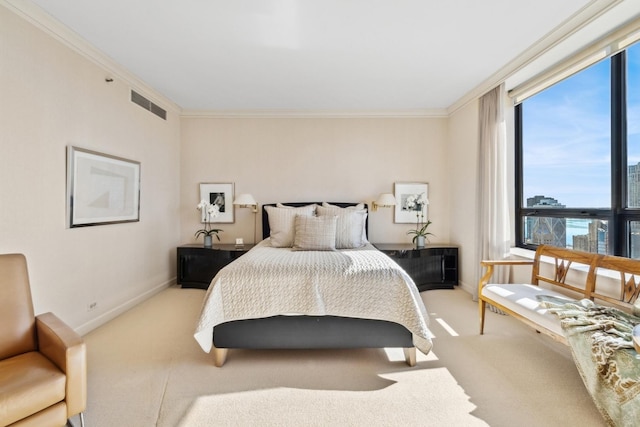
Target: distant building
column 633, row 201
column 581, row 242
column 543, row 202
column 633, row 186
column 596, row 239
column 545, row 230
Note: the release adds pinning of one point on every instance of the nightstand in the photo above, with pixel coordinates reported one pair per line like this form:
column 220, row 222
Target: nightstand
column 198, row 265
column 432, row 267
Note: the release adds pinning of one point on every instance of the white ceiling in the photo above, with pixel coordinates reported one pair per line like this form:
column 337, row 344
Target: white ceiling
column 308, row 55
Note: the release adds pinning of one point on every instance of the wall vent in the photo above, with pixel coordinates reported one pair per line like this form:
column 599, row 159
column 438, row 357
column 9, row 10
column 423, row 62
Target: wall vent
column 136, row 98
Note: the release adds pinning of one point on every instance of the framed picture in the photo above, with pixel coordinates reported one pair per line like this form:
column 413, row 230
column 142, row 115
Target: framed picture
column 101, row 189
column 412, row 201
column 221, row 195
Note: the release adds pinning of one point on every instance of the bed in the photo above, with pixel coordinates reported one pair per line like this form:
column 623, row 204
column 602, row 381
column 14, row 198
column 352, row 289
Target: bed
column 294, row 294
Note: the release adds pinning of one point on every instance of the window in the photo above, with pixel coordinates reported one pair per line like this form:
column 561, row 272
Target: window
column 578, row 160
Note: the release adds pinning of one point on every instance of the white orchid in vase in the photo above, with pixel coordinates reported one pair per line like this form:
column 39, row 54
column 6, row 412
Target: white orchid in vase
column 210, row 211
column 416, row 203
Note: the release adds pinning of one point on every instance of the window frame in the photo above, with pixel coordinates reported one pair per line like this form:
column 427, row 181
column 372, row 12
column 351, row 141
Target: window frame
column 619, row 216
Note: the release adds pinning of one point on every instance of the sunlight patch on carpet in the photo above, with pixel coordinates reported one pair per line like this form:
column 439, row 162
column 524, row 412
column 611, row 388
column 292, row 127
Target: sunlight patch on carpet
column 395, row 354
column 446, row 327
column 423, row 390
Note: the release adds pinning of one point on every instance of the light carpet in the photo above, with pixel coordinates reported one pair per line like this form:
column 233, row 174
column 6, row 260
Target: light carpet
column 146, row 369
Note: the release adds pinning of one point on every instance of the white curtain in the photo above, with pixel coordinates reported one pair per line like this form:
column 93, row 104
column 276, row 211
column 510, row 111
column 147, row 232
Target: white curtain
column 494, row 237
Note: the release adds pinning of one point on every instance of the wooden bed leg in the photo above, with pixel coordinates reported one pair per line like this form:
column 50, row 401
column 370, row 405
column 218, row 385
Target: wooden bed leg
column 410, row 356
column 219, row 356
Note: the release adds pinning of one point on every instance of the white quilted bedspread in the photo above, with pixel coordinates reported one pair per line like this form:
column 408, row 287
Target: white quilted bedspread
column 268, row 281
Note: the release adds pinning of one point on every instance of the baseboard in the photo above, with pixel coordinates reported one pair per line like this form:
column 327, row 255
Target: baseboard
column 469, row 289
column 117, row 311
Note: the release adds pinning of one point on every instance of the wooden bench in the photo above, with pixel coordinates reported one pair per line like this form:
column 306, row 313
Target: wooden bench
column 563, row 273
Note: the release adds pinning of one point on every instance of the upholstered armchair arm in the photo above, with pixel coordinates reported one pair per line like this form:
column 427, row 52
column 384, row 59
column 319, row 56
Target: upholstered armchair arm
column 67, row 350
column 489, row 265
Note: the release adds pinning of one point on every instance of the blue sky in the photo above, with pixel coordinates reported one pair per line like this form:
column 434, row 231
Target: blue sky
column 566, row 136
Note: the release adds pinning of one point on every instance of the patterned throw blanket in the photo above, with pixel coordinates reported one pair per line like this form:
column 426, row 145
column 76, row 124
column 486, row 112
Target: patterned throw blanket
column 602, row 347
column 267, row 281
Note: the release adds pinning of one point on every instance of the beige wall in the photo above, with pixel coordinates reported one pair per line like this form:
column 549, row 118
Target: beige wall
column 52, row 97
column 463, row 150
column 321, row 159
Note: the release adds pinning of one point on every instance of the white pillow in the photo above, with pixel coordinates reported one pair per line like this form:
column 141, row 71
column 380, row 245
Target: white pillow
column 315, row 233
column 357, row 207
column 350, row 226
column 282, row 223
column 280, row 205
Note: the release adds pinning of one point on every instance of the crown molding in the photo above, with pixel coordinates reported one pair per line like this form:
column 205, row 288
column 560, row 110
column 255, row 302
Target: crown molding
column 305, row 114
column 51, row 26
column 589, row 13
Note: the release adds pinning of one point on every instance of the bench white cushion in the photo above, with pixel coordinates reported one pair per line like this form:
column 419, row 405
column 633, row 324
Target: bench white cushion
column 522, row 299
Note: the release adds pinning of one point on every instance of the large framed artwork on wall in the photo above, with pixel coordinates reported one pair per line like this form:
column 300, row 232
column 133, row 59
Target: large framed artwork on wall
column 412, row 201
column 101, row 189
column 221, row 195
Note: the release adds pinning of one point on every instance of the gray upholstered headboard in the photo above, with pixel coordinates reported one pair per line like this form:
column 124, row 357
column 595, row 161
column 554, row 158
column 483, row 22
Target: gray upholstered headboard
column 266, row 231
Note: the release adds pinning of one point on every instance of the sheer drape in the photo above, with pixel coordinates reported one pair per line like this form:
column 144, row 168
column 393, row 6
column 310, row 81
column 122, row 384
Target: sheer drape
column 493, row 209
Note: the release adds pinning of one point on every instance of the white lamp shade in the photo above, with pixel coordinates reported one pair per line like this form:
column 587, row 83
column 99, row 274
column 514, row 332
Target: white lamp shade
column 245, row 200
column 386, row 199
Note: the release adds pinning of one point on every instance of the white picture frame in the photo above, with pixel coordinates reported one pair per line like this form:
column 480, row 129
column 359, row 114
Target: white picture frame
column 406, row 194
column 222, row 195
column 101, row 188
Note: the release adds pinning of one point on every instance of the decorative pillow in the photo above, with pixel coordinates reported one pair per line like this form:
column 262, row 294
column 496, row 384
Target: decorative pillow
column 282, row 223
column 357, row 207
column 315, row 233
column 280, row 205
column 350, row 226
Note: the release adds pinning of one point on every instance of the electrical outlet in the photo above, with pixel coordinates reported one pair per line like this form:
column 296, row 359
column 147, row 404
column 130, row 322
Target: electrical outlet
column 92, row 306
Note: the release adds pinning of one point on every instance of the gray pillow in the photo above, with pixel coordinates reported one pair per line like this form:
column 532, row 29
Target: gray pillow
column 315, row 233
column 282, row 223
column 350, row 227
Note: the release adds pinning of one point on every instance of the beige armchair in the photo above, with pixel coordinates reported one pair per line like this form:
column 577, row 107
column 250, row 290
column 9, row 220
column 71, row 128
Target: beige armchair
column 43, row 364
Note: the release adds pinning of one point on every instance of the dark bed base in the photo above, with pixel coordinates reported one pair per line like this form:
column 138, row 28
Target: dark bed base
column 301, row 332
column 310, row 332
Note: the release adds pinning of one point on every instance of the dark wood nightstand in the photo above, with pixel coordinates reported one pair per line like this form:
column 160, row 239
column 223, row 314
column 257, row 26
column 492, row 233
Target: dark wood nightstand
column 198, row 265
column 432, row 267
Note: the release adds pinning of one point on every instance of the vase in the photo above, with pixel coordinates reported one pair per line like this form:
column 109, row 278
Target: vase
column 420, row 242
column 208, row 241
